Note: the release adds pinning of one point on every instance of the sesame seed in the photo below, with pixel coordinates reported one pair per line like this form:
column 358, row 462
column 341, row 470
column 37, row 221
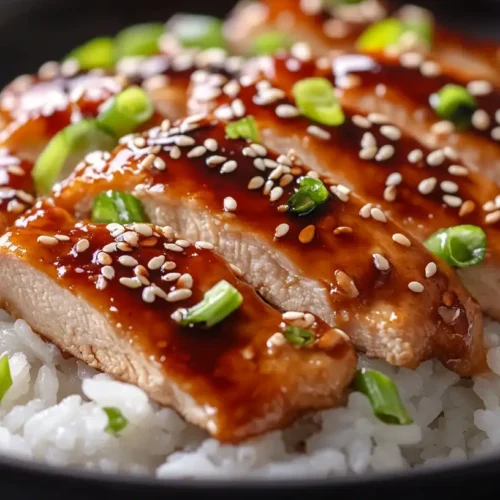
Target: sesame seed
column 48, row 241
column 211, row 144
column 361, row 121
column 276, row 340
column 148, row 295
column 347, row 284
column 489, row 206
column 108, row 272
column 318, row 132
column 124, row 247
column 480, row 87
column 256, row 182
column 381, row 263
column 385, row 153
column 147, row 162
column 231, row 89
column 430, row 68
column 238, row 108
column 131, row 238
column 259, row 164
column 259, row 149
column 228, row 167
column 430, row 270
column 378, row 215
column 467, row 208
column 178, row 295
column 204, row 245
column 214, row 160
column 411, row 59
column 104, row 259
column 156, row 262
column 390, row 193
column 16, row 170
column 82, row 245
column 62, row 237
column 287, row 111
column 292, row 315
column 415, row 156
column 391, row 132
column 175, row 153
column 481, row 120
column 368, row 140
column 168, row 232
column 128, row 261
column 24, row 196
column 307, row 234
column 416, row 287
column 184, row 141
column 368, row 153
column 171, row 276
column 165, row 125
column 341, row 192
column 401, row 239
column 139, row 142
column 378, row 118
column 458, row 170
column 435, row 158
column 276, row 173
column 449, row 187
column 185, row 281
column 236, row 270
column 443, row 127
column 495, row 134
column 427, row 185
column 197, row 151
column 276, row 193
column 450, row 153
column 394, row 179
column 168, row 266
column 248, row 151
column 492, row 217
column 131, row 282
column 230, row 204
column 365, row 211
column 452, row 201
column 159, row 164
column 342, row 230
column 281, row 230
column 183, row 243
column 173, row 247
column 115, row 229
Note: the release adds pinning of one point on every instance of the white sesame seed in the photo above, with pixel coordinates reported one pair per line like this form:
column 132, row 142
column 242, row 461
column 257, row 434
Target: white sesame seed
column 430, row 270
column 390, row 193
column 228, row 167
column 443, row 127
column 168, row 266
column 430, row 68
column 481, row 120
column 115, row 229
column 385, row 153
column 147, row 162
column 211, row 144
column 82, row 245
column 401, row 239
column 214, row 160
column 230, row 204
column 378, row 215
column 259, row 149
column 391, row 132
column 458, row 170
column 449, row 187
column 256, row 182
column 108, row 272
column 415, row 156
column 197, row 151
column 287, row 111
column 368, row 140
column 159, row 164
column 361, row 121
column 495, row 134
column 416, row 287
column 178, row 315
column 259, row 164
column 238, row 108
column 148, row 295
column 435, row 158
column 292, row 315
column 104, row 259
column 183, row 243
column 185, row 281
column 143, row 229
column 489, row 206
column 378, row 118
column 276, row 340
column 139, row 142
column 62, row 237
column 204, row 244
column 368, row 153
column 177, row 295
column 171, row 277
column 248, row 151
column 184, row 141
column 452, row 201
column 365, row 211
column 381, row 263
column 156, row 262
column 131, row 282
column 341, row 192
column 411, row 59
column 450, row 153
column 310, row 319
column 276, row 193
column 131, row 238
column 281, row 230
column 24, row 196
column 175, row 153
column 493, row 217
column 480, row 87
column 173, row 247
column 394, row 179
column 128, row 261
column 48, row 241
column 318, row 132
column 232, row 88
column 427, row 185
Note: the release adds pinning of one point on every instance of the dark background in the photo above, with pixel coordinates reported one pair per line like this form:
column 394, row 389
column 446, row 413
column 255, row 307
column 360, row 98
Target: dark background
column 33, row 32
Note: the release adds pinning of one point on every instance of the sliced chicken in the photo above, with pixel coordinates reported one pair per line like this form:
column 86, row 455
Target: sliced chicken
column 107, row 295
column 326, row 29
column 346, row 261
column 422, row 190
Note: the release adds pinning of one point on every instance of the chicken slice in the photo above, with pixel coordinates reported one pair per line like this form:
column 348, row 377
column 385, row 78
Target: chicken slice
column 346, row 261
column 113, row 295
column 327, row 29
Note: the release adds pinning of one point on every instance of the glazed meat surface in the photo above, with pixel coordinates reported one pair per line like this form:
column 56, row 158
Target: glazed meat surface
column 347, row 261
column 111, row 296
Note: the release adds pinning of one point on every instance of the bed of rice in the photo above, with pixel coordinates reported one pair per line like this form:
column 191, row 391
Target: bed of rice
column 53, row 413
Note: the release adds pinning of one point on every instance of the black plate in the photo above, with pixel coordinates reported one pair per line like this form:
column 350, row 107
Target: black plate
column 33, row 31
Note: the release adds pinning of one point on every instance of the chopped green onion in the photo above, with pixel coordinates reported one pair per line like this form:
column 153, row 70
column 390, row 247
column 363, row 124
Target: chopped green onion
column 116, row 421
column 199, row 31
column 311, row 194
column 5, row 376
column 246, row 128
column 66, row 150
column 218, row 303
column 126, row 111
column 115, row 206
column 383, row 395
column 299, row 336
column 139, row 40
column 459, row 246
column 270, row 42
column 315, row 98
column 454, row 103
column 96, row 53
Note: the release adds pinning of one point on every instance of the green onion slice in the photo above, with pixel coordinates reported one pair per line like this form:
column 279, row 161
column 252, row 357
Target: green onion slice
column 459, row 246
column 116, row 421
column 311, row 194
column 315, row 98
column 270, row 42
column 299, row 336
column 5, row 376
column 383, row 395
column 66, row 150
column 218, row 303
column 126, row 111
column 454, row 103
column 246, row 128
column 139, row 40
column 115, row 206
column 199, row 31
column 96, row 53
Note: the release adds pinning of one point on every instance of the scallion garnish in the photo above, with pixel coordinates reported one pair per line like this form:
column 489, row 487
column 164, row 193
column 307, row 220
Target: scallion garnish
column 270, row 42
column 246, row 128
column 96, row 53
column 198, row 31
column 311, row 194
column 383, row 395
column 459, row 246
column 5, row 376
column 138, row 40
column 126, row 111
column 299, row 336
column 116, row 421
column 454, row 103
column 218, row 303
column 66, row 150
column 115, row 206
column 315, row 98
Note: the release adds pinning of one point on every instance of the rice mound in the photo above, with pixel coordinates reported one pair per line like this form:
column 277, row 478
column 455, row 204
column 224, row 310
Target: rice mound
column 53, row 414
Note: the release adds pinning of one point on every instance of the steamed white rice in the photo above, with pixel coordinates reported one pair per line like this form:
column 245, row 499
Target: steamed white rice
column 53, row 413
